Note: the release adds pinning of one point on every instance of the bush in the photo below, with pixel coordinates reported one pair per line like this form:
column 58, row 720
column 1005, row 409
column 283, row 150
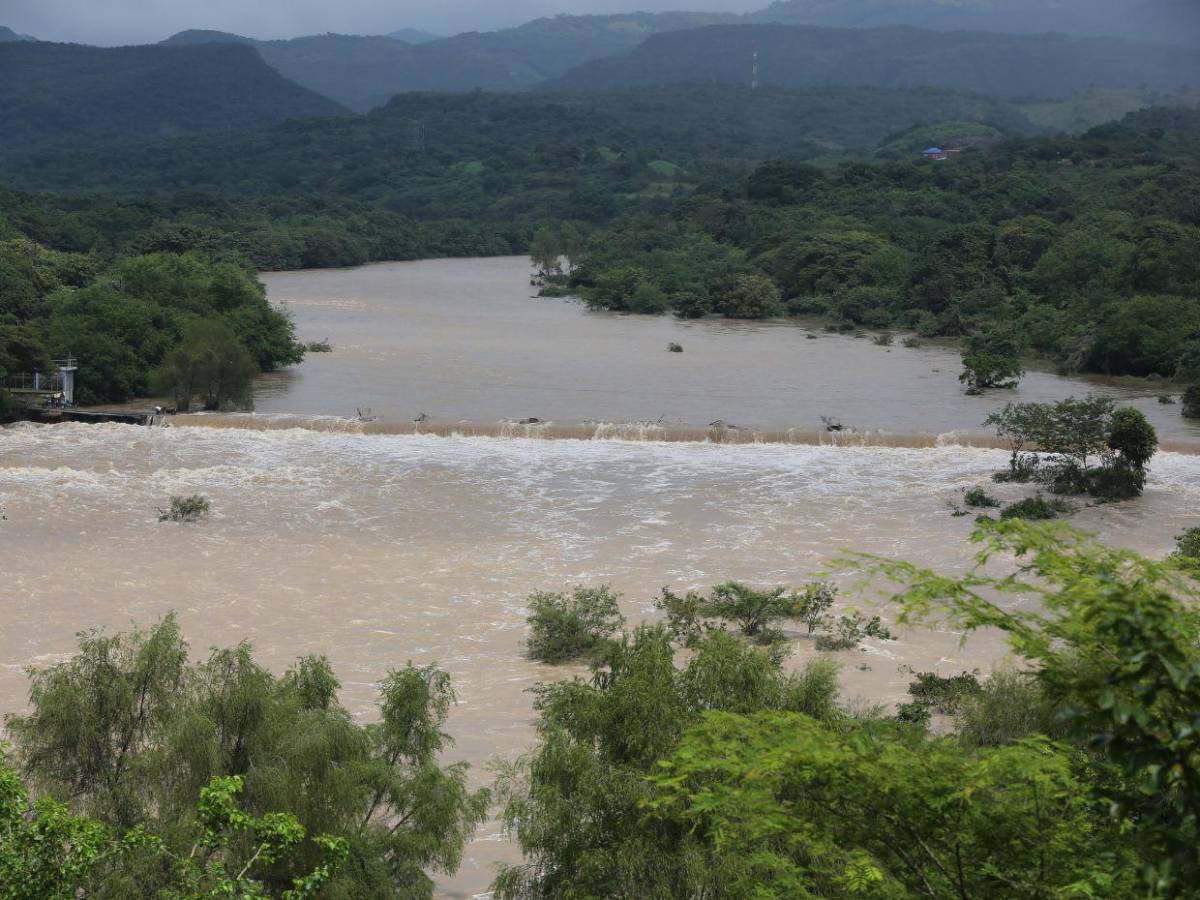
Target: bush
column 755, row 614
column 1166, row 399
column 1119, row 481
column 1191, row 402
column 978, row 498
column 1035, row 508
column 674, row 347
column 565, row 627
column 1008, row 706
column 186, row 509
column 319, row 346
column 850, row 631
column 883, row 340
column 944, row 695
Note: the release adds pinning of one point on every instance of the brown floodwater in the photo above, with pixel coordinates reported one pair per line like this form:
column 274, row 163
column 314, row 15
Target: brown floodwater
column 465, row 340
column 375, row 548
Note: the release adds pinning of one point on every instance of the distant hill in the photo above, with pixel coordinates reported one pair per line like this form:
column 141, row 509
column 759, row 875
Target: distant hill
column 896, row 57
column 7, row 35
column 414, row 36
column 496, row 155
column 1169, row 21
column 363, row 72
column 60, row 92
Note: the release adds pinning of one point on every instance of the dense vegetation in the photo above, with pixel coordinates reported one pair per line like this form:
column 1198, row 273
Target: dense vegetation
column 59, row 93
column 802, row 57
column 1080, row 249
column 125, row 316
column 725, row 777
column 180, row 765
column 504, row 156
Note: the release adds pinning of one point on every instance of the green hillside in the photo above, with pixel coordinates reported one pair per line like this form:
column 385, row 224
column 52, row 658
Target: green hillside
column 61, row 92
column 516, row 155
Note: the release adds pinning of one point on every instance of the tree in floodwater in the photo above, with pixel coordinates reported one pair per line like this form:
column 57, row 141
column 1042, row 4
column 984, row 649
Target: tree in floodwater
column 1078, row 445
column 210, row 363
column 723, row 777
column 991, row 361
column 130, row 731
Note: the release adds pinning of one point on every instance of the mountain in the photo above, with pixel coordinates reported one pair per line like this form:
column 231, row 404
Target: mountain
column 1051, row 65
column 194, row 36
column 1168, row 21
column 62, row 92
column 474, row 155
column 414, row 36
column 7, row 35
column 363, row 72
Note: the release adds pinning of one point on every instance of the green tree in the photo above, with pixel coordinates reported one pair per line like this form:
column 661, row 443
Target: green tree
column 751, row 297
column 210, row 363
column 131, row 731
column 1113, row 643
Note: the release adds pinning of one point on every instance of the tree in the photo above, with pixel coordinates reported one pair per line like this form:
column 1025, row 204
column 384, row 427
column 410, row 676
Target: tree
column 545, row 252
column 985, row 371
column 752, row 297
column 131, row 731
column 210, row 363
column 577, row 803
column 755, row 614
column 1091, row 445
column 564, row 628
column 1113, row 643
column 784, row 806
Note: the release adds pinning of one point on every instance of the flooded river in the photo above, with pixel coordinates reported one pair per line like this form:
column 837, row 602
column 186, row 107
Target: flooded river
column 377, row 548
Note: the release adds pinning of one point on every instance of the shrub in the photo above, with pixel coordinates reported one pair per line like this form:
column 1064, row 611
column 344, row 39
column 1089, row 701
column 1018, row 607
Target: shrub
column 186, row 509
column 1008, row 706
column 911, row 342
column 978, row 498
column 319, row 346
column 674, row 347
column 945, row 695
column 850, row 631
column 1166, row 399
column 1191, row 402
column 883, row 340
column 754, row 614
column 1119, row 481
column 1035, row 508
column 568, row 627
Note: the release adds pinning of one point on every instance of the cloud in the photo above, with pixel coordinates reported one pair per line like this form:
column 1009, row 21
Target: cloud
column 146, row 21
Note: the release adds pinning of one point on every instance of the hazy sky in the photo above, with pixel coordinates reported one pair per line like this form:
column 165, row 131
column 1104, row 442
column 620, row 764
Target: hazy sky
column 143, row 21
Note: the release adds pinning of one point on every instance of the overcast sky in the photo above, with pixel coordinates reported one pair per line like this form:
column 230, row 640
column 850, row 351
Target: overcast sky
column 143, row 21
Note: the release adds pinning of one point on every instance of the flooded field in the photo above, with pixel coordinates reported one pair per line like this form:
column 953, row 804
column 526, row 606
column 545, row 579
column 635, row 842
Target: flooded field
column 375, row 547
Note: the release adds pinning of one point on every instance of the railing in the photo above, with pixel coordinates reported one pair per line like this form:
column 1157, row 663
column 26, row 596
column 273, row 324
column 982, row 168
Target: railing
column 50, row 384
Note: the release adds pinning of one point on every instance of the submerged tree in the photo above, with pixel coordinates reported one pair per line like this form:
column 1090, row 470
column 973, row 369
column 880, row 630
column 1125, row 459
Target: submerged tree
column 210, row 363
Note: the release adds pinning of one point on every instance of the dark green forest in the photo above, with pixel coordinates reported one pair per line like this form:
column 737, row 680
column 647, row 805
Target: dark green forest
column 1083, row 250
column 507, row 156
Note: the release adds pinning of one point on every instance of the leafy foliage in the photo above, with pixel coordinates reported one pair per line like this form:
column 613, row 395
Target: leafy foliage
column 564, row 628
column 1027, row 238
column 130, row 732
column 754, row 614
column 1090, row 445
